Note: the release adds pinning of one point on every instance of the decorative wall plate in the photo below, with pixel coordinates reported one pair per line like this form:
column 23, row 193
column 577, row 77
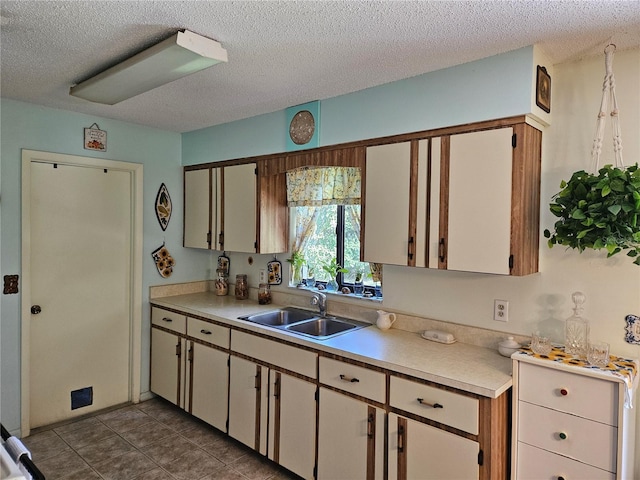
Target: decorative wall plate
column 274, row 272
column 303, row 126
column 163, row 207
column 633, row 329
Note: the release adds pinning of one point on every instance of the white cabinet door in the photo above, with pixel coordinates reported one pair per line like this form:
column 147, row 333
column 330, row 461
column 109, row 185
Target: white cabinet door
column 167, row 367
column 199, row 208
column 422, row 452
column 209, row 385
column 350, row 438
column 479, row 220
column 240, row 205
column 386, row 223
column 292, row 423
column 248, row 397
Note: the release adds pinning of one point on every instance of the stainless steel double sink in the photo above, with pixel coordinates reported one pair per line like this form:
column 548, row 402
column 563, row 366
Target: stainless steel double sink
column 305, row 322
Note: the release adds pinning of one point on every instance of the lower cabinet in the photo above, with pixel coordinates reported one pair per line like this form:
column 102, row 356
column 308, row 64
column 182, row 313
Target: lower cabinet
column 420, row 451
column 292, row 423
column 167, row 366
column 350, row 438
column 208, row 392
column 268, row 408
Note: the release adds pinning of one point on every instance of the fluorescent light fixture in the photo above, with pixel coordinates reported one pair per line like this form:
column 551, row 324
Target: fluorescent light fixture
column 176, row 57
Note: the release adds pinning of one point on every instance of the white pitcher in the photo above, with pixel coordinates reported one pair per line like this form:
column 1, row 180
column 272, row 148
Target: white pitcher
column 385, row 320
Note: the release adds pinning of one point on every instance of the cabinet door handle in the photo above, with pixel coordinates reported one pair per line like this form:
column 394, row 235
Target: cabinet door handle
column 205, row 332
column 400, row 439
column 167, row 319
column 349, row 379
column 370, row 425
column 441, row 252
column 421, row 401
column 276, row 387
column 409, row 248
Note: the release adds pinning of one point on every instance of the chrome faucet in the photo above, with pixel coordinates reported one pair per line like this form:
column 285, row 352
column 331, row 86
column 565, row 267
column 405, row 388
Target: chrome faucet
column 320, row 299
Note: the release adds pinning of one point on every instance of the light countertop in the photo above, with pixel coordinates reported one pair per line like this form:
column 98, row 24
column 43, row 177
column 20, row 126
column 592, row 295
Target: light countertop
column 467, row 367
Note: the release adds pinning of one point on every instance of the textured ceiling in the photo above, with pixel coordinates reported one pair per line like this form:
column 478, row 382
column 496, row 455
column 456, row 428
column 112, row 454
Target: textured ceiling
column 283, row 53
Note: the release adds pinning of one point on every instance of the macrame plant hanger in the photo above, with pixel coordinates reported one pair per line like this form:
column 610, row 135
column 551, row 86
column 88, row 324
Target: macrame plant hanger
column 608, row 100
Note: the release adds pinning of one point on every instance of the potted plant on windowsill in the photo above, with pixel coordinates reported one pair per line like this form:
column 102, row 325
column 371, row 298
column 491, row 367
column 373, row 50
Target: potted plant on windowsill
column 297, row 262
column 599, row 211
column 332, row 268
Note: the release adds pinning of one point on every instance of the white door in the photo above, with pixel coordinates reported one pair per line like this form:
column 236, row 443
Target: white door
column 80, row 275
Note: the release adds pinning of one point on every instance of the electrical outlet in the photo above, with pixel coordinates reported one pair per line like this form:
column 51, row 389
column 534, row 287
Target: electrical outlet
column 501, row 310
column 263, row 275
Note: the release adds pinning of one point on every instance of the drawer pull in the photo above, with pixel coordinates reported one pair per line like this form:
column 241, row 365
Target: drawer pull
column 370, row 425
column 427, row 404
column 205, row 332
column 564, row 392
column 562, row 435
column 349, row 379
column 167, row 319
column 400, row 439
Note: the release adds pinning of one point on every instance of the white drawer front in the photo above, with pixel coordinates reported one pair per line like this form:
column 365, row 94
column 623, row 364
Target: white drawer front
column 170, row 320
column 440, row 405
column 275, row 353
column 577, row 394
column 587, row 441
column 353, row 379
column 537, row 464
column 208, row 332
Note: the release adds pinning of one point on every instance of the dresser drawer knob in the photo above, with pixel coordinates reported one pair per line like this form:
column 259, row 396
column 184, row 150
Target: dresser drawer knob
column 564, row 392
column 421, row 401
column 562, row 435
column 349, row 379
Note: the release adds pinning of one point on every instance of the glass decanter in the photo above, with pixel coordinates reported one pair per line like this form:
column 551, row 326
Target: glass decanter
column 576, row 334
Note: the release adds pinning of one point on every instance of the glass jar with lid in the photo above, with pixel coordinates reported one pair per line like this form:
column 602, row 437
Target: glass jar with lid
column 576, row 335
column 222, row 282
column 242, row 287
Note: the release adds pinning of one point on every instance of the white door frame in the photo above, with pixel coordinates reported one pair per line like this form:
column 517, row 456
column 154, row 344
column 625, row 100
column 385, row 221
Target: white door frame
column 135, row 318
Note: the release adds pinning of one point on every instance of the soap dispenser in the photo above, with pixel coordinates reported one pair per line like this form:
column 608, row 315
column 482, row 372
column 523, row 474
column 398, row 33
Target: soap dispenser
column 576, row 334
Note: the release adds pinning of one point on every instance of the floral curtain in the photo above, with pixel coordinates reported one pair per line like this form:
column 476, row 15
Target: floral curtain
column 305, row 227
column 315, row 186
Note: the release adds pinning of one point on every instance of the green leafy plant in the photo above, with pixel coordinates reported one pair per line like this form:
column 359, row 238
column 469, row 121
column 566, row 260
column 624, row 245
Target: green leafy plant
column 599, row 211
column 297, row 262
column 332, row 268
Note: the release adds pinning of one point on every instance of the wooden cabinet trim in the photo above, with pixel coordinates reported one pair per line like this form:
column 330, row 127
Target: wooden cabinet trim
column 445, row 148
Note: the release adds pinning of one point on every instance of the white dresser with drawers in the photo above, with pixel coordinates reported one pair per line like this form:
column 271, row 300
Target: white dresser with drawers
column 570, row 422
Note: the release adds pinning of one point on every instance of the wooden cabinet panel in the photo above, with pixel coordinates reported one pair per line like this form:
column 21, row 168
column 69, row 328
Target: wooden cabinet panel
column 292, row 423
column 350, row 438
column 386, row 223
column 167, row 367
column 248, row 400
column 437, row 404
column 479, row 201
column 239, row 208
column 419, row 451
column 209, row 385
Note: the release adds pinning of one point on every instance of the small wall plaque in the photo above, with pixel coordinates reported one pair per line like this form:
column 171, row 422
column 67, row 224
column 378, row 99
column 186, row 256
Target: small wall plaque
column 95, row 139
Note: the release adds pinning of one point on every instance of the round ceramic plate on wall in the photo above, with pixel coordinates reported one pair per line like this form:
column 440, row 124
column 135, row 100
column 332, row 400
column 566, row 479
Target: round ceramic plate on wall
column 303, row 125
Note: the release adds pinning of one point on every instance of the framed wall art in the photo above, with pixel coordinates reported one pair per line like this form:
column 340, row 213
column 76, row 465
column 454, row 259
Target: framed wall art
column 543, row 89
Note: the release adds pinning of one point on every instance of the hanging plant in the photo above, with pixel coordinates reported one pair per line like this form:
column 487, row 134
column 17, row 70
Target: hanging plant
column 601, row 210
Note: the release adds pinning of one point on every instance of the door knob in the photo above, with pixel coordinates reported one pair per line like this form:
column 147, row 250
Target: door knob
column 35, row 309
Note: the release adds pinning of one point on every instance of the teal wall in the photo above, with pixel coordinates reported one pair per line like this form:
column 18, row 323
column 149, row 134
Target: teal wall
column 494, row 87
column 27, row 126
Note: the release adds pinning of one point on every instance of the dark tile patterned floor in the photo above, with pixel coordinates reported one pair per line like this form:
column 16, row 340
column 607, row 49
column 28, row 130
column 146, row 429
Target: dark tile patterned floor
column 153, row 440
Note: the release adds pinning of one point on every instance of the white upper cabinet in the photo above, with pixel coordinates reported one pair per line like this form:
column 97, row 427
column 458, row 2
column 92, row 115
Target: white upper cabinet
column 239, row 208
column 386, row 222
column 199, row 207
column 479, row 201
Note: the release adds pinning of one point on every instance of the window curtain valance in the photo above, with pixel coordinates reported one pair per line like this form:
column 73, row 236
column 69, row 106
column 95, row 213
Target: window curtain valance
column 316, row 186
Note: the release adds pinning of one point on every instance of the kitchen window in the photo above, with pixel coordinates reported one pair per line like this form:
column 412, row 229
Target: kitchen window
column 325, row 218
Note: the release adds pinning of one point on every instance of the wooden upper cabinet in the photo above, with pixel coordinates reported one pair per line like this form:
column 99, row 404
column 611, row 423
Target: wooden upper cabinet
column 200, row 207
column 386, row 213
column 490, row 201
column 465, row 201
column 239, row 206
